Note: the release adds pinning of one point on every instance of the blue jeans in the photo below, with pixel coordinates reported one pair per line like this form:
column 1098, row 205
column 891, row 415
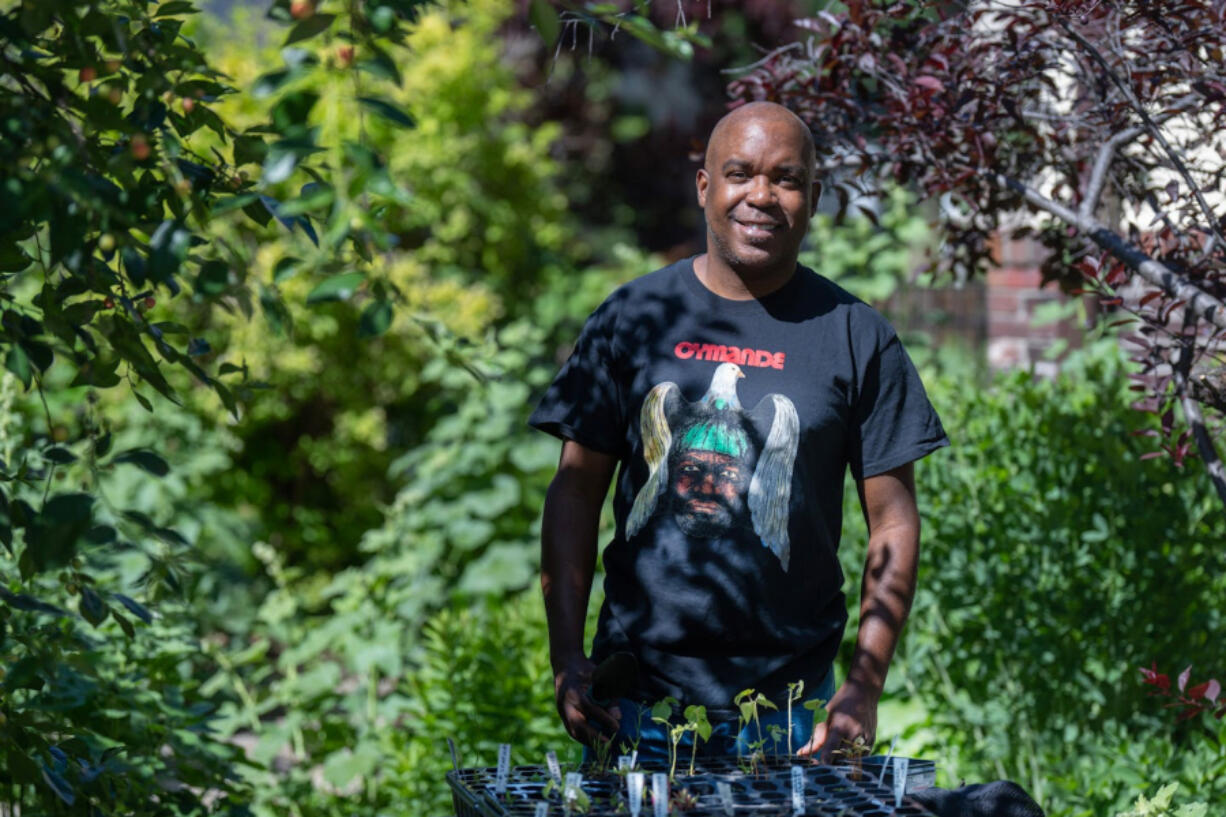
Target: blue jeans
column 728, row 737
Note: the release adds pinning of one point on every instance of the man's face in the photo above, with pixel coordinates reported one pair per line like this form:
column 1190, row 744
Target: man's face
column 708, row 491
column 756, row 190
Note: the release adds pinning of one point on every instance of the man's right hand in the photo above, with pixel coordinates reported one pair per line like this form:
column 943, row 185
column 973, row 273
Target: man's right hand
column 572, row 689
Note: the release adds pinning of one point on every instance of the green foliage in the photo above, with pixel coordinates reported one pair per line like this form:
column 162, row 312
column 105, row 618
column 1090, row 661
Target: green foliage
column 461, row 223
column 1055, row 563
column 1160, row 806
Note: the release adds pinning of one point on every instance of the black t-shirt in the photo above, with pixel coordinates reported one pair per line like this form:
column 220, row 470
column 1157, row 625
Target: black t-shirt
column 734, row 423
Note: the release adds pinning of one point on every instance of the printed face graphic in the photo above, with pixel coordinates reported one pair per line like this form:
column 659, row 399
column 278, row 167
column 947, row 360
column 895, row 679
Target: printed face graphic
column 713, row 468
column 708, row 492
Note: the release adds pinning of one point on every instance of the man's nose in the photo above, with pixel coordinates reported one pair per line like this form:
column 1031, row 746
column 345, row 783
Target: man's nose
column 707, row 485
column 761, row 194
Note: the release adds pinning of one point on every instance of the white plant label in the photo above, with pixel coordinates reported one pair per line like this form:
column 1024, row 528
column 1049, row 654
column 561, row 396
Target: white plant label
column 798, row 790
column 542, row 809
column 504, row 769
column 659, row 794
column 555, row 769
column 634, row 758
column 635, row 781
column 900, row 779
column 625, row 763
column 725, row 796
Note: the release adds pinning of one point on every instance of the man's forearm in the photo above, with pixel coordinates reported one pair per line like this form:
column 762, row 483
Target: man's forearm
column 568, row 562
column 885, row 601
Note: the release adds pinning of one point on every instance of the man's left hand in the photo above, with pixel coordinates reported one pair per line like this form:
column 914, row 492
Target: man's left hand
column 852, row 713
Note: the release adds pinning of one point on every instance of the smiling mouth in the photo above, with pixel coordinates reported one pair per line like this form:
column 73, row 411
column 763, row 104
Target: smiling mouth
column 758, row 229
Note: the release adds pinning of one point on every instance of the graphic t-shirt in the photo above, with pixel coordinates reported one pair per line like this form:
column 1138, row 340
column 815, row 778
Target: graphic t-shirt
column 734, row 423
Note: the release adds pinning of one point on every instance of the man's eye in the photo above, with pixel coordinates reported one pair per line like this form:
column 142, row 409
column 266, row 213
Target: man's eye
column 790, row 180
column 737, row 174
column 729, row 473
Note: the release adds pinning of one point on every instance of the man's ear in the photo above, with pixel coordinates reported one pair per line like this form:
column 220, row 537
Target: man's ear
column 816, row 197
column 701, row 180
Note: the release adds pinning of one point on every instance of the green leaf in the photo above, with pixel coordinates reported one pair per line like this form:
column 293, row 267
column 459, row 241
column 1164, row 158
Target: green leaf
column 17, row 363
column 387, row 110
column 59, row 455
column 136, row 608
column 145, row 460
column 344, row 765
column 52, row 536
column 176, row 7
column 375, row 320
column 168, row 247
column 92, row 607
column 336, row 288
column 544, row 19
column 311, row 26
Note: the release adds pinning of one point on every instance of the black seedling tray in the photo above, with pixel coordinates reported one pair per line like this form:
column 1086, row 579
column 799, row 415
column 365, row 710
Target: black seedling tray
column 830, row 791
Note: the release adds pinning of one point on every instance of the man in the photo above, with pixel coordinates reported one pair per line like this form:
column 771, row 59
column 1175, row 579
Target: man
column 734, row 389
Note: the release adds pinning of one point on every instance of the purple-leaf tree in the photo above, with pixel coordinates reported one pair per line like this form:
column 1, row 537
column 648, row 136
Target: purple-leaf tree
column 1097, row 127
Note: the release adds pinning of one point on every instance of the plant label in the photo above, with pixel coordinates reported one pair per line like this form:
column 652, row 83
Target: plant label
column 455, row 756
column 634, row 758
column 625, row 762
column 900, row 779
column 572, row 789
column 798, row 790
column 725, row 796
column 635, row 781
column 504, row 769
column 542, row 809
column 555, row 769
column 659, row 794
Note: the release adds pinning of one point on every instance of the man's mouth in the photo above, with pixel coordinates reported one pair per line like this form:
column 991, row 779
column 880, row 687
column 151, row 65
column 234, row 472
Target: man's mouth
column 703, row 506
column 757, row 230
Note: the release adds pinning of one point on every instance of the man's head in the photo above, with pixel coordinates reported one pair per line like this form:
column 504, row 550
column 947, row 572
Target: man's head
column 711, row 473
column 758, row 190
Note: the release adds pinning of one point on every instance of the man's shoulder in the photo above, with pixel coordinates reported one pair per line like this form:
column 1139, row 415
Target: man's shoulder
column 837, row 301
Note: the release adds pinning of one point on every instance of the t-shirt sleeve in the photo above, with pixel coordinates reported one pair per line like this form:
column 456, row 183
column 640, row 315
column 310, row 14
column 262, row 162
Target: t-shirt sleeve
column 894, row 421
column 585, row 401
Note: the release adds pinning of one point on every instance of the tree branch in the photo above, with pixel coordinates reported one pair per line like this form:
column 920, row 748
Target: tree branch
column 1094, row 189
column 1201, row 303
column 1150, row 125
column 1196, row 420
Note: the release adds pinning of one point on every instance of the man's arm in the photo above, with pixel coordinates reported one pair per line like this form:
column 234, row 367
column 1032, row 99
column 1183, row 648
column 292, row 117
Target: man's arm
column 889, row 507
column 568, row 560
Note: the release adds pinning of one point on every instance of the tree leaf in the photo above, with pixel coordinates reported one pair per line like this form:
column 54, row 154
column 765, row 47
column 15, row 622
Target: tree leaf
column 144, row 459
column 544, row 19
column 136, row 608
column 311, row 26
column 52, row 536
column 17, row 363
column 336, row 288
column 375, row 319
column 387, row 110
column 92, row 607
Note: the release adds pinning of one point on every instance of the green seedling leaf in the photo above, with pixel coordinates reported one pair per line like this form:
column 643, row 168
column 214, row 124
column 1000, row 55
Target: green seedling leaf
column 59, row 456
column 52, row 537
column 19, row 365
column 544, row 19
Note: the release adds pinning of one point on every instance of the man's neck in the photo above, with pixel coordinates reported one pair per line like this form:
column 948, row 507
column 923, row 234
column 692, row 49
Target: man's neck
column 727, row 282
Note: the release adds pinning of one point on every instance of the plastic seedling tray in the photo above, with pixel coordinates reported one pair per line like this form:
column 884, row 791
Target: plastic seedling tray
column 828, row 791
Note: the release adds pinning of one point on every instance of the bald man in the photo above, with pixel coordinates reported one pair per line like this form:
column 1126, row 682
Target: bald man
column 729, row 393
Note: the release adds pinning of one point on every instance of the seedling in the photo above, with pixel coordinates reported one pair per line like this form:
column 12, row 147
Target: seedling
column 748, row 702
column 661, row 712
column 683, row 800
column 814, row 706
column 795, row 692
column 602, row 751
column 696, row 722
column 852, row 752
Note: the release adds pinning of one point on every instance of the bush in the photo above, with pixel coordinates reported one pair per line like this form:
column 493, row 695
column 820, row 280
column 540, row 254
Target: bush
column 1054, row 564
